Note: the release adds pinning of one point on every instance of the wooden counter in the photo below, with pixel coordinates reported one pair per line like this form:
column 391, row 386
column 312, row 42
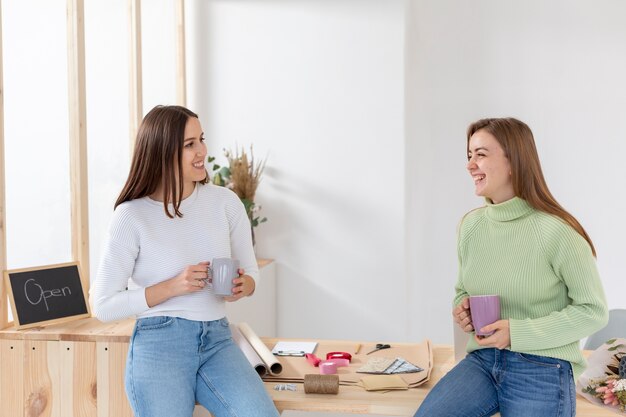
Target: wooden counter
column 355, row 400
column 77, row 369
column 65, row 370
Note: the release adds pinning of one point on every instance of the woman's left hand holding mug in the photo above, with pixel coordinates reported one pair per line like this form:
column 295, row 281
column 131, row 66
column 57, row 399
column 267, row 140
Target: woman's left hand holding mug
column 244, row 286
column 500, row 339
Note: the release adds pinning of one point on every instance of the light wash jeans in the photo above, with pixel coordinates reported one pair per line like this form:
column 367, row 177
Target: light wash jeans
column 515, row 384
column 173, row 362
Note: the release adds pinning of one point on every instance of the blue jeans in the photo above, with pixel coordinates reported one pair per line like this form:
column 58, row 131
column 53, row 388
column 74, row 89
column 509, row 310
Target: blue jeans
column 174, row 363
column 515, row 384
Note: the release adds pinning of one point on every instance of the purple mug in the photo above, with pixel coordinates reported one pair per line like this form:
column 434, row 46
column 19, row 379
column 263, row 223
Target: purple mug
column 484, row 309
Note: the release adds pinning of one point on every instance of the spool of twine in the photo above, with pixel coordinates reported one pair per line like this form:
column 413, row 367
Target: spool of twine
column 321, row 384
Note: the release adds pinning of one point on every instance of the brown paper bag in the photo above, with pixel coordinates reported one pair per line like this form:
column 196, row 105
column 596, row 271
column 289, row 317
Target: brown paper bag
column 384, row 383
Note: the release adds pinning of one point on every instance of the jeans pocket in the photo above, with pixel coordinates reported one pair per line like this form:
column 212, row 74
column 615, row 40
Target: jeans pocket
column 540, row 360
column 151, row 323
column 224, row 322
column 536, row 386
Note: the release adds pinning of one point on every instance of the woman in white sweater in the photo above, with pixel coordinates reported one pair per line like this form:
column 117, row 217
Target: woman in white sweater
column 169, row 222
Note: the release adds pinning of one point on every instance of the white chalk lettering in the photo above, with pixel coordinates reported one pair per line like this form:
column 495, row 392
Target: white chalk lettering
column 38, row 294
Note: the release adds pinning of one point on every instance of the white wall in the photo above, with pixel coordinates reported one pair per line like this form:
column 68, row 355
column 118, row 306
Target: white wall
column 318, row 87
column 361, row 106
column 283, row 75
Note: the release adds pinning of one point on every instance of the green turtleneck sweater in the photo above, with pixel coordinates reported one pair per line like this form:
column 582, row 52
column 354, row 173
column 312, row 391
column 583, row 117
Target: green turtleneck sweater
column 544, row 273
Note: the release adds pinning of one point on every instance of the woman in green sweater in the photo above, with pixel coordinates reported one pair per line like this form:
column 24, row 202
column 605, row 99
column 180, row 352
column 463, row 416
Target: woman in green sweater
column 524, row 247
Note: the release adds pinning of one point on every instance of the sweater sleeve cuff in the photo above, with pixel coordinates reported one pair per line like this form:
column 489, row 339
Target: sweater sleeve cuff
column 137, row 301
column 520, row 339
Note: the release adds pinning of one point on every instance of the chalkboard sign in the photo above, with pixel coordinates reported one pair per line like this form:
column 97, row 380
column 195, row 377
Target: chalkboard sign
column 46, row 294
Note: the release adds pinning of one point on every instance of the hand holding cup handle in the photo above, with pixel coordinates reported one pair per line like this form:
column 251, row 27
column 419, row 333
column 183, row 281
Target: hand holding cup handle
column 462, row 315
column 191, row 279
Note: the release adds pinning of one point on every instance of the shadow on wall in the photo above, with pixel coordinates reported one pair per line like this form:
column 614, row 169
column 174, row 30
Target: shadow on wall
column 328, row 287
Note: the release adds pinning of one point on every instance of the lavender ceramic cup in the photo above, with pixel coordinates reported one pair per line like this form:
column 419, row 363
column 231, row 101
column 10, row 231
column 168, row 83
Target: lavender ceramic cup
column 223, row 271
column 485, row 309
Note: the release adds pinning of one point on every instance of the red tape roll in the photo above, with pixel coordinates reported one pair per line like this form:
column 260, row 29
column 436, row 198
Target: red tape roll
column 339, row 355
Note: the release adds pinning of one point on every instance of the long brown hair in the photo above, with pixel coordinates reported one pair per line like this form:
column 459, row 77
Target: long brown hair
column 518, row 144
column 157, row 157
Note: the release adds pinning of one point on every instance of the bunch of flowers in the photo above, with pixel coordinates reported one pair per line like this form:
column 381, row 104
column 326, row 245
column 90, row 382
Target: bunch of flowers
column 242, row 175
column 610, row 388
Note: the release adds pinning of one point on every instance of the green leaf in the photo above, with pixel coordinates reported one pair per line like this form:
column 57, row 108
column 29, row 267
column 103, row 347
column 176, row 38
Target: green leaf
column 610, row 341
column 225, row 172
column 248, row 205
column 217, row 180
column 211, row 159
column 257, row 220
column 216, row 167
column 611, row 349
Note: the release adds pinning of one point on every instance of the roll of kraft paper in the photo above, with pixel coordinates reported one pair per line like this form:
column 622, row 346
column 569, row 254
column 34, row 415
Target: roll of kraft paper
column 321, row 384
column 264, row 353
column 248, row 351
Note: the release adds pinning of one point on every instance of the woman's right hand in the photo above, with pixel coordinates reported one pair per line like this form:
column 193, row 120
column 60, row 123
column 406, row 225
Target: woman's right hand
column 191, row 279
column 462, row 316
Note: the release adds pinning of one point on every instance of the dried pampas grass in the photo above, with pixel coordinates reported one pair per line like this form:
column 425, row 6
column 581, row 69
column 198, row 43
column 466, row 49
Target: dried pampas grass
column 245, row 175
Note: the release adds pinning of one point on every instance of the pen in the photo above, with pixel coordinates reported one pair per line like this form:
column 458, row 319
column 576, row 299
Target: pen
column 290, row 353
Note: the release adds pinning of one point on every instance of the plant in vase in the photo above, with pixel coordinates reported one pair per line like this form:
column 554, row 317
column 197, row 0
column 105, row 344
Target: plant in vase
column 242, row 175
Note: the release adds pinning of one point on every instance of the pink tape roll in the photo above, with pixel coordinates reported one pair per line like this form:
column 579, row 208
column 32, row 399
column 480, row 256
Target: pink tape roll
column 328, row 368
column 339, row 362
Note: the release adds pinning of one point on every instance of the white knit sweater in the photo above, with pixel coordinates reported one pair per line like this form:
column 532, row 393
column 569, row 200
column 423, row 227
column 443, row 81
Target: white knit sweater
column 145, row 247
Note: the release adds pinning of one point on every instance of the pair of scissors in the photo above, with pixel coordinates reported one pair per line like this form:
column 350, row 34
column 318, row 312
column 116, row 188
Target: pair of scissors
column 379, row 346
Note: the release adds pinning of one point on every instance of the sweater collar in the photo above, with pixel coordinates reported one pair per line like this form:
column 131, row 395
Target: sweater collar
column 186, row 202
column 509, row 210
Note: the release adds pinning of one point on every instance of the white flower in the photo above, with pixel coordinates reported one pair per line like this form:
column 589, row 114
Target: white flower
column 620, row 385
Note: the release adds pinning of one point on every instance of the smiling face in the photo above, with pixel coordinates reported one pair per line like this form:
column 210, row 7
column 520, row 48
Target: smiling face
column 193, row 155
column 489, row 167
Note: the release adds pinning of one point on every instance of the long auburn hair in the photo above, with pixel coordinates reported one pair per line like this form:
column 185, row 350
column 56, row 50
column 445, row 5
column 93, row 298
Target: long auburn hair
column 518, row 144
column 157, row 158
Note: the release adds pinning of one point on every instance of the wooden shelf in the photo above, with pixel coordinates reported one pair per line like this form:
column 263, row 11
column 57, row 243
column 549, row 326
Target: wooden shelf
column 264, row 262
